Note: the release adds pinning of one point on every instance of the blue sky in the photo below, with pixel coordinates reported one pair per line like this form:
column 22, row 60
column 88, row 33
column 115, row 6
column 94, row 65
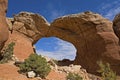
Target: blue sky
column 51, row 9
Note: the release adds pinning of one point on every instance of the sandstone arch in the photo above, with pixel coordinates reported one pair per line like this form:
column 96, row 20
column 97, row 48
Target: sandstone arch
column 90, row 33
column 92, row 36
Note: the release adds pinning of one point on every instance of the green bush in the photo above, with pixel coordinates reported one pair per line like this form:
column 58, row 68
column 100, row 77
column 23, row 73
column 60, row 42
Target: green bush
column 35, row 63
column 106, row 72
column 7, row 53
column 73, row 76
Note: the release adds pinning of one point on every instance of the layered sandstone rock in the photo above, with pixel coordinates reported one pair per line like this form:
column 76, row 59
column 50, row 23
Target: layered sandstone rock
column 31, row 25
column 3, row 24
column 25, row 30
column 116, row 25
column 90, row 33
column 93, row 37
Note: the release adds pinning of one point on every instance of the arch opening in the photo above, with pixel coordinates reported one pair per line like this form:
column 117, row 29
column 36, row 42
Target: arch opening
column 56, row 48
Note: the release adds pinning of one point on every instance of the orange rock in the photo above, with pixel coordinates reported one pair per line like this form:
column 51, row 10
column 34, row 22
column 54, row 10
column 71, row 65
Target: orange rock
column 3, row 24
column 93, row 37
column 23, row 46
column 56, row 76
column 90, row 33
column 116, row 25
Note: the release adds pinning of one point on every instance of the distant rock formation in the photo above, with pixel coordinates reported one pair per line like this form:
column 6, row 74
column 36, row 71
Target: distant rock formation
column 90, row 33
column 3, row 24
column 116, row 25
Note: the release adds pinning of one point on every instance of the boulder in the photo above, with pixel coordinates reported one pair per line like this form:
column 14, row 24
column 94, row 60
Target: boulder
column 31, row 74
column 3, row 24
column 75, row 69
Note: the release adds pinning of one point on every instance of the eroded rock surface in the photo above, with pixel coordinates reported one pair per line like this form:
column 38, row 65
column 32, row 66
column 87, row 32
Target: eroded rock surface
column 3, row 24
column 90, row 33
column 93, row 37
column 31, row 25
column 25, row 30
column 116, row 25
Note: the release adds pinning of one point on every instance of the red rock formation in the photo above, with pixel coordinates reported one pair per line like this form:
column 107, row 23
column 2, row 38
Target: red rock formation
column 93, row 37
column 90, row 33
column 116, row 25
column 23, row 46
column 25, row 30
column 32, row 25
column 3, row 24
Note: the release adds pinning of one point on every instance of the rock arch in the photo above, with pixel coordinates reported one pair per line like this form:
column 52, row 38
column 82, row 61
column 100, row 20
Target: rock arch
column 93, row 37
column 90, row 33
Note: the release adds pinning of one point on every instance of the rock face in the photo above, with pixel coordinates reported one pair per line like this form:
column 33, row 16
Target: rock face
column 25, row 30
column 90, row 33
column 3, row 24
column 23, row 46
column 116, row 25
column 75, row 69
column 93, row 37
column 31, row 25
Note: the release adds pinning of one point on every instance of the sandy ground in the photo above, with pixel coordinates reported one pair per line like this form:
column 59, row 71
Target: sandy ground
column 10, row 72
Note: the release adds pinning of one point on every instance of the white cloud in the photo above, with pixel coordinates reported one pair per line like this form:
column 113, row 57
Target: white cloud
column 109, row 10
column 54, row 12
column 112, row 13
column 63, row 50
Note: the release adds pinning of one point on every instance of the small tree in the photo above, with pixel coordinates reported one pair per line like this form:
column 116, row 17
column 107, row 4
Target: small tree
column 36, row 63
column 7, row 54
column 106, row 72
column 74, row 76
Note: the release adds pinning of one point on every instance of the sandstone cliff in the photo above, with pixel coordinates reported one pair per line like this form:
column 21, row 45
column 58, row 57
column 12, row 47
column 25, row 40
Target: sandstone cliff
column 25, row 30
column 116, row 25
column 3, row 24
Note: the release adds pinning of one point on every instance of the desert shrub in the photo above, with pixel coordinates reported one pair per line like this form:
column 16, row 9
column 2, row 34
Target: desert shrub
column 7, row 53
column 106, row 72
column 35, row 63
column 74, row 76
